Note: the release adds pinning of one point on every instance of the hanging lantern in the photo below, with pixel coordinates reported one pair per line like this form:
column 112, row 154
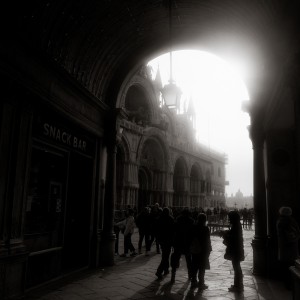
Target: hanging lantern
column 171, row 94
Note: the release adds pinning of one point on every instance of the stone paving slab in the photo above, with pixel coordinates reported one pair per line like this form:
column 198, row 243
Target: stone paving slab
column 134, row 278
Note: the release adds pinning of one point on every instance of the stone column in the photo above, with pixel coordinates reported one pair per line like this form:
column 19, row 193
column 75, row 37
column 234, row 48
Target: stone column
column 101, row 159
column 108, row 236
column 260, row 240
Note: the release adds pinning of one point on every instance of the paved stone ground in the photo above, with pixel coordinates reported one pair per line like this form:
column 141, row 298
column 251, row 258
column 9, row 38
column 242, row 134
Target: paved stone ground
column 133, row 278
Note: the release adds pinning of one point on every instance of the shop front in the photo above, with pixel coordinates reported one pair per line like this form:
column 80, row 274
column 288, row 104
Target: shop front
column 58, row 215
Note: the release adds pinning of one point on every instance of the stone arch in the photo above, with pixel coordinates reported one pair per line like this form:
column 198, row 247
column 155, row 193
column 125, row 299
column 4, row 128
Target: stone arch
column 95, row 44
column 152, row 154
column 137, row 96
column 153, row 165
column 155, row 135
column 137, row 105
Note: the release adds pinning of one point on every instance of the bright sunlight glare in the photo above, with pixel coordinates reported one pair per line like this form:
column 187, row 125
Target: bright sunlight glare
column 217, row 91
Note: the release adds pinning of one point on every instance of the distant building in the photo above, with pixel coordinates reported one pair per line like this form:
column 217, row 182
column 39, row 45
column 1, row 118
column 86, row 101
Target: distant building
column 239, row 201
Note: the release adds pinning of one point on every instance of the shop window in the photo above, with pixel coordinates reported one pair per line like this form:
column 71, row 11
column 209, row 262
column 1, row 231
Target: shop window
column 45, row 200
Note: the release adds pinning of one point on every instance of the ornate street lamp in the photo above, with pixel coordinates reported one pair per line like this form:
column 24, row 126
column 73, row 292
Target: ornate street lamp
column 171, row 92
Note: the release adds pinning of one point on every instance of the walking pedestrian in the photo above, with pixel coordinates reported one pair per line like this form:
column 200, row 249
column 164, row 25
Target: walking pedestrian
column 182, row 241
column 143, row 223
column 233, row 239
column 165, row 234
column 154, row 213
column 200, row 251
column 129, row 230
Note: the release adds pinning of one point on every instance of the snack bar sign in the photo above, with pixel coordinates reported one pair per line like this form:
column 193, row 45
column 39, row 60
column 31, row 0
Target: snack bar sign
column 64, row 137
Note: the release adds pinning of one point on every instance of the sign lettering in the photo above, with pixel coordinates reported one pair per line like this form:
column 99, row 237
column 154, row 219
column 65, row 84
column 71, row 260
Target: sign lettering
column 64, row 137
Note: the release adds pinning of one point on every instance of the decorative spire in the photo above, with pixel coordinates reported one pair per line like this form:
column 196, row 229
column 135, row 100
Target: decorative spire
column 191, row 112
column 157, row 80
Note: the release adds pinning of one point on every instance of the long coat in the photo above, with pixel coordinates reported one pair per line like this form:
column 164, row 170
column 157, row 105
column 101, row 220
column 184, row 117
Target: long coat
column 201, row 233
column 183, row 233
column 233, row 239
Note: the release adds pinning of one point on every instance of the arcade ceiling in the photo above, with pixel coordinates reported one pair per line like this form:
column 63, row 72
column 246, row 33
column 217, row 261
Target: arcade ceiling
column 98, row 42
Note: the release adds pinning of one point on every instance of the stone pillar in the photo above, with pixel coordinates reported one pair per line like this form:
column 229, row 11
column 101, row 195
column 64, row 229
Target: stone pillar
column 260, row 240
column 99, row 203
column 108, row 236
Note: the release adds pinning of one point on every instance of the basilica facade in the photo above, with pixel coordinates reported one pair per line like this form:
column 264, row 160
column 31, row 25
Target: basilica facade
column 158, row 157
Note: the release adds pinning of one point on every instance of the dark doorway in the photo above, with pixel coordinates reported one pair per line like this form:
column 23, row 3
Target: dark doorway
column 78, row 213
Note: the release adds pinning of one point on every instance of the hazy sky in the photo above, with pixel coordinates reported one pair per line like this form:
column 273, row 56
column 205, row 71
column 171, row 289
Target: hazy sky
column 217, row 90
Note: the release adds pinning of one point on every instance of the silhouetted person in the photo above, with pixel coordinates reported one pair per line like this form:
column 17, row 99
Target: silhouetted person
column 182, row 241
column 143, row 222
column 288, row 234
column 165, row 234
column 200, row 253
column 233, row 239
column 250, row 219
column 245, row 217
column 154, row 213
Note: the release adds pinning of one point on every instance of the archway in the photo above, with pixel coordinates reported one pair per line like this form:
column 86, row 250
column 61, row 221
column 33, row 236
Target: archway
column 137, row 105
column 75, row 56
column 153, row 170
